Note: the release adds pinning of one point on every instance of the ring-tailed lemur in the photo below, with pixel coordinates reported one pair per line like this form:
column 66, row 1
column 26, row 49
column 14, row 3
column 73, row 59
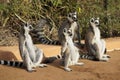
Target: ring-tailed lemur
column 70, row 22
column 70, row 50
column 30, row 54
column 40, row 33
column 95, row 45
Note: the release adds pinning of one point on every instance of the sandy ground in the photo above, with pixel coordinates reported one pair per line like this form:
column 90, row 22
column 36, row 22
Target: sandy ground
column 92, row 70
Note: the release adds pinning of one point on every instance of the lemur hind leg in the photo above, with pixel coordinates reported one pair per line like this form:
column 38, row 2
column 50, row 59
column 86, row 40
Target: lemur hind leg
column 63, row 49
column 39, row 57
column 67, row 63
column 28, row 62
column 103, row 49
column 102, row 56
column 75, row 61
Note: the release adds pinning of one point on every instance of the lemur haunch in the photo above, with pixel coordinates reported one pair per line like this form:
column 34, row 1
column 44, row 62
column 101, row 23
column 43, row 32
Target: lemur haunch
column 95, row 45
column 71, row 52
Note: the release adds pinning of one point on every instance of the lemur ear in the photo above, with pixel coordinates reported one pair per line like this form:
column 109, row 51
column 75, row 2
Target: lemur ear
column 75, row 12
column 98, row 18
column 69, row 15
column 31, row 27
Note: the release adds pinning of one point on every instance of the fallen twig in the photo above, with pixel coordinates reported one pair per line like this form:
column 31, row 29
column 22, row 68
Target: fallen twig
column 20, row 18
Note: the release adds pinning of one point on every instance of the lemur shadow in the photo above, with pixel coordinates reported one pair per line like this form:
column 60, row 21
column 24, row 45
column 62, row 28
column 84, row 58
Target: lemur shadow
column 57, row 64
column 82, row 48
column 7, row 55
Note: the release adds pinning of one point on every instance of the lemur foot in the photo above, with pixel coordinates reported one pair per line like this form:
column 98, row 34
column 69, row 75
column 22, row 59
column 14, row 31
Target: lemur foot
column 79, row 64
column 104, row 59
column 67, row 69
column 32, row 70
column 42, row 65
column 106, row 56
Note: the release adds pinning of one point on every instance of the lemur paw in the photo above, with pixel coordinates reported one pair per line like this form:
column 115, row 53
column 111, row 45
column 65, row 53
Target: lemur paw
column 105, row 59
column 67, row 69
column 42, row 65
column 80, row 64
column 32, row 70
column 106, row 56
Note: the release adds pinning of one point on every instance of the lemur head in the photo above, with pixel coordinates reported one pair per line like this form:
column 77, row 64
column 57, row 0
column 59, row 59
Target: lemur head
column 28, row 27
column 94, row 21
column 67, row 32
column 72, row 17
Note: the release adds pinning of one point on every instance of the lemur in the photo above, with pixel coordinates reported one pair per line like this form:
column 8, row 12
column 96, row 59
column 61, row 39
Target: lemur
column 94, row 44
column 70, row 22
column 40, row 33
column 30, row 54
column 70, row 50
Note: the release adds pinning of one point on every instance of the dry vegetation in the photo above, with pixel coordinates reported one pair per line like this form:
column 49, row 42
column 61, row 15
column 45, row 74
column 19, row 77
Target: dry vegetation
column 55, row 11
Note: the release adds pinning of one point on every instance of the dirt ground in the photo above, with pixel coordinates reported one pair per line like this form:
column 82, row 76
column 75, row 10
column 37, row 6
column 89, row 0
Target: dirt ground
column 92, row 70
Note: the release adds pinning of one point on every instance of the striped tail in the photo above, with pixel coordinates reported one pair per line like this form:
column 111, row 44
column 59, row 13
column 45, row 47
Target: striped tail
column 40, row 34
column 44, row 40
column 11, row 63
column 85, row 56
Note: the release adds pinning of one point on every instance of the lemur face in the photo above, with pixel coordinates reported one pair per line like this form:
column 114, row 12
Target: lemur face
column 72, row 17
column 67, row 32
column 28, row 27
column 95, row 21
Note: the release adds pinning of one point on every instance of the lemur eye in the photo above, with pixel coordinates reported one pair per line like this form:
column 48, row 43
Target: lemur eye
column 74, row 18
column 92, row 20
column 64, row 30
column 96, row 23
column 69, row 15
column 26, row 24
column 69, row 33
column 30, row 26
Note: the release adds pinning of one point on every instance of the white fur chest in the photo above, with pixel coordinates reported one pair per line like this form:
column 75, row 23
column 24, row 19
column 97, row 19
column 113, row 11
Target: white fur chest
column 71, row 45
column 30, row 46
column 69, row 41
column 97, row 35
column 73, row 27
column 28, row 39
column 72, row 50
